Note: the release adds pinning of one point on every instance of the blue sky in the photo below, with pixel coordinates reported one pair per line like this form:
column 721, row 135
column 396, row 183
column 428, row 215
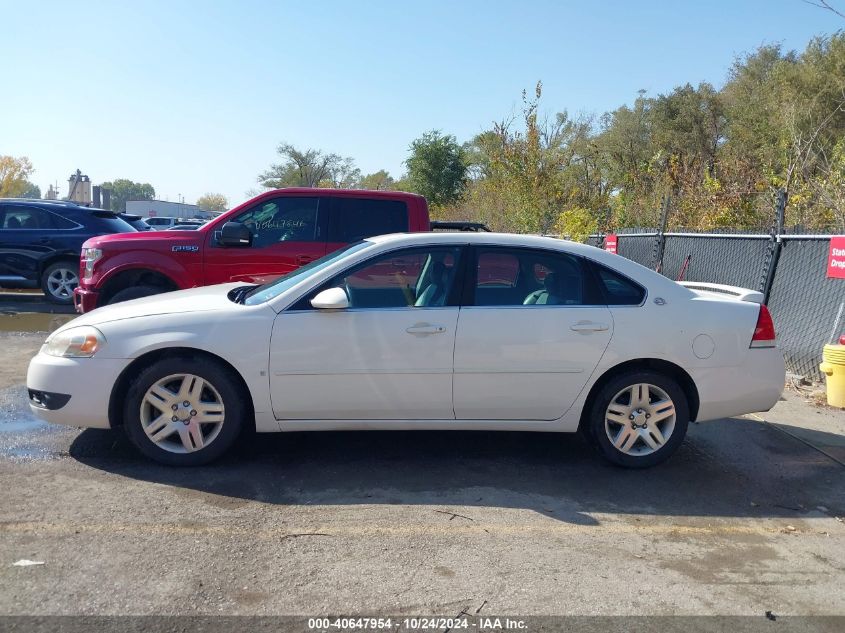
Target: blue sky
column 195, row 96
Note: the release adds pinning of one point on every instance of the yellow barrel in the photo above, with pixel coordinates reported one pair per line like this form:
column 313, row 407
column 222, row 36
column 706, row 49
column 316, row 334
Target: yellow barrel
column 833, row 367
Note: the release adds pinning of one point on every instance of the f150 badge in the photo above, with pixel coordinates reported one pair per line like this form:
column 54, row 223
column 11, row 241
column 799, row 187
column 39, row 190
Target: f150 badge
column 184, row 248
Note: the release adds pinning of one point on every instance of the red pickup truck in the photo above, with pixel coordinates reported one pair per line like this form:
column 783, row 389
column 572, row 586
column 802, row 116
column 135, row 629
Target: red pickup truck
column 265, row 237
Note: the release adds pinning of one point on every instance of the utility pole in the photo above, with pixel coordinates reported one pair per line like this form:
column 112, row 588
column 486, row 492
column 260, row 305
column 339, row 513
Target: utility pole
column 660, row 241
column 777, row 243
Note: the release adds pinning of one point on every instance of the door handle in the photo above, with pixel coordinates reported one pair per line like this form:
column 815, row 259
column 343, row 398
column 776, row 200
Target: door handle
column 304, row 259
column 424, row 329
column 589, row 326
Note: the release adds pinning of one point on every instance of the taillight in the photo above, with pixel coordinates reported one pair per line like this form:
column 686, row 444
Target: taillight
column 764, row 332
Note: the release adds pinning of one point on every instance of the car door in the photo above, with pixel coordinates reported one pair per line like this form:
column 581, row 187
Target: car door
column 387, row 356
column 530, row 334
column 288, row 231
column 27, row 237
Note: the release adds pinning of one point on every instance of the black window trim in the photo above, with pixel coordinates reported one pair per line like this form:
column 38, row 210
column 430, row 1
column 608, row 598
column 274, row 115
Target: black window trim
column 452, row 301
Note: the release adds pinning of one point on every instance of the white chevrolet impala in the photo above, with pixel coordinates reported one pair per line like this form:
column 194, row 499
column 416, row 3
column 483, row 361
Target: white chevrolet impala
column 422, row 331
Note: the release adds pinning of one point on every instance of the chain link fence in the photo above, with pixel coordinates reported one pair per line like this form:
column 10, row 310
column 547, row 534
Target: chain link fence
column 808, row 308
column 728, row 259
column 806, row 304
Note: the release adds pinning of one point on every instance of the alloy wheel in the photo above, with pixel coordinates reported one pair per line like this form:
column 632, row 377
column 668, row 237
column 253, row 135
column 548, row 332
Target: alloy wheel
column 182, row 413
column 61, row 282
column 640, row 419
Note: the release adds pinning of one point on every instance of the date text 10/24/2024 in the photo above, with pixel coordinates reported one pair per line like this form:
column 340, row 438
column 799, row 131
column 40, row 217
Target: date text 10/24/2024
column 433, row 623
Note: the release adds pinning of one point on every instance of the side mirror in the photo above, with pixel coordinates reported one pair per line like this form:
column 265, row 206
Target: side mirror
column 235, row 234
column 331, row 299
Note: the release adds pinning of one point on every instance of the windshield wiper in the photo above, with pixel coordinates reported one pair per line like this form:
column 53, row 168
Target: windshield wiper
column 238, row 295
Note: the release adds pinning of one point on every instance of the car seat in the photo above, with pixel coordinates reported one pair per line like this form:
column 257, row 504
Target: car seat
column 435, row 292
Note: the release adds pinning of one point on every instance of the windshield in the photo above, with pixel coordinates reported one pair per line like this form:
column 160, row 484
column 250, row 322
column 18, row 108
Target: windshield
column 263, row 293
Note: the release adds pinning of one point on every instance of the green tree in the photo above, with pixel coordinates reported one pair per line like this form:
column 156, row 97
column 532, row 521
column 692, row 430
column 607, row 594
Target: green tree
column 576, row 224
column 123, row 190
column 309, row 168
column 437, row 168
column 32, row 191
column 215, row 203
column 378, row 181
column 13, row 176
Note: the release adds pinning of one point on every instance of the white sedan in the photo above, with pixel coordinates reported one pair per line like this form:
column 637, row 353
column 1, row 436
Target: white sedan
column 418, row 331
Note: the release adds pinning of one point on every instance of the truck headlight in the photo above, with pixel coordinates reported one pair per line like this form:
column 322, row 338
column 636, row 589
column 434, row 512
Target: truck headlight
column 75, row 342
column 89, row 256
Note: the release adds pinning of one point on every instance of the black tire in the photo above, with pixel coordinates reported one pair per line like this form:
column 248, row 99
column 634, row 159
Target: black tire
column 598, row 431
column 135, row 292
column 61, row 294
column 221, row 378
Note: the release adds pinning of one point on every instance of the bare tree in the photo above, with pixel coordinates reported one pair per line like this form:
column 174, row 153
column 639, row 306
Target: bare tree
column 823, row 4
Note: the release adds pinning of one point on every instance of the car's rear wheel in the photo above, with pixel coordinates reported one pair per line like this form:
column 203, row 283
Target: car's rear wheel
column 135, row 292
column 184, row 411
column 59, row 280
column 638, row 419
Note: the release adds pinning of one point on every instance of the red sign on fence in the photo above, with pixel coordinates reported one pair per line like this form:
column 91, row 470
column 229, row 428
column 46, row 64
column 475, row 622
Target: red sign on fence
column 836, row 257
column 610, row 241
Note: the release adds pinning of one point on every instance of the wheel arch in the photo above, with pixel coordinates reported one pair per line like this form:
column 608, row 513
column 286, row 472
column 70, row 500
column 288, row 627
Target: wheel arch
column 665, row 367
column 121, row 385
column 136, row 276
column 53, row 258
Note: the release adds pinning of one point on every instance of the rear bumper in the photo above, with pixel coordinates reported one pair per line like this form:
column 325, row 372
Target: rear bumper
column 85, row 300
column 755, row 385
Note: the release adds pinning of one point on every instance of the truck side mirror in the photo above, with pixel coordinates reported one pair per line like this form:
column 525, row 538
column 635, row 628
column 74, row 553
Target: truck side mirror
column 235, row 234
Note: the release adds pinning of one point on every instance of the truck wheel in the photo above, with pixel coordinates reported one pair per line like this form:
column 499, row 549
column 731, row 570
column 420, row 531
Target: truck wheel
column 184, row 411
column 135, row 292
column 639, row 419
column 58, row 281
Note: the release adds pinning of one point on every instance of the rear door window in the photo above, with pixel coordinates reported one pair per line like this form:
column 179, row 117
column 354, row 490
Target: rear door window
column 619, row 290
column 354, row 219
column 62, row 223
column 507, row 276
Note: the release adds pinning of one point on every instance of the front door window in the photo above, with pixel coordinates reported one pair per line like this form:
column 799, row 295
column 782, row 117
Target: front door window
column 282, row 220
column 410, row 278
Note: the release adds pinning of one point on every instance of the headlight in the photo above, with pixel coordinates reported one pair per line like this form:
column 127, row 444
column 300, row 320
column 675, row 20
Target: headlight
column 76, row 342
column 89, row 256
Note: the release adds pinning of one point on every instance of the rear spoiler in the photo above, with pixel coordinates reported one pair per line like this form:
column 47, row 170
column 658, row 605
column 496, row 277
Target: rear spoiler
column 722, row 290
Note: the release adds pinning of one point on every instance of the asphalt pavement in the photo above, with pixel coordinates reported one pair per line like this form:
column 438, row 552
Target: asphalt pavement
column 746, row 518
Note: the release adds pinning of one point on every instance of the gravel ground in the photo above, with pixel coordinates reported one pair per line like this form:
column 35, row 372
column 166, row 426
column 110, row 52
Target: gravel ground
column 745, row 519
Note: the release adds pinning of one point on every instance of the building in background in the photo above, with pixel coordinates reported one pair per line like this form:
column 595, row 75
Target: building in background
column 162, row 208
column 79, row 188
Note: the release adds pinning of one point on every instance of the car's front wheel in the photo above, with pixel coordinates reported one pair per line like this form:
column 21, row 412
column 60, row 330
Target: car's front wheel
column 638, row 419
column 184, row 411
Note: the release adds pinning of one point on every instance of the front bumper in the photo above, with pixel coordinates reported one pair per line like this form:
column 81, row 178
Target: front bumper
column 85, row 300
column 87, row 381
